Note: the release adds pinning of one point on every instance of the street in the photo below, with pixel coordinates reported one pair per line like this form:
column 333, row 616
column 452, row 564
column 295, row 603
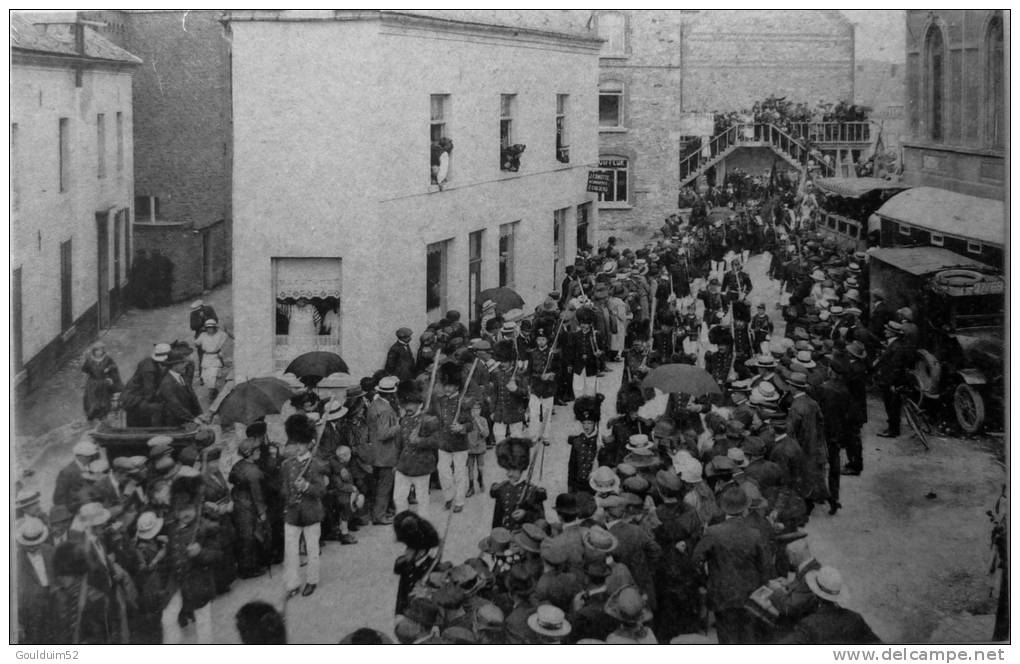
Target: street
column 911, row 539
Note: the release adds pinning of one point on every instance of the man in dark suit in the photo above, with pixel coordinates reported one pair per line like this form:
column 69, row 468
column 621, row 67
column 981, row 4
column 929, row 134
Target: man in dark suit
column 400, row 359
column 891, row 372
column 830, row 623
column 857, row 384
column 833, row 400
column 142, row 407
column 804, row 424
column 737, row 561
column 180, row 404
column 71, row 478
column 35, row 581
column 636, row 548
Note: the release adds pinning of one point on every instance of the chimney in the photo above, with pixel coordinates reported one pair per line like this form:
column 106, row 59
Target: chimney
column 79, row 38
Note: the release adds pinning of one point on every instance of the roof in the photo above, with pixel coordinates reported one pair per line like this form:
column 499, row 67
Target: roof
column 856, row 187
column 59, row 39
column 923, row 260
column 949, row 213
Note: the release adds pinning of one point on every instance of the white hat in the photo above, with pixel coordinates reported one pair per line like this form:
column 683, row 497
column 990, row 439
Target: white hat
column 92, row 514
column 387, row 384
column 549, row 620
column 85, row 448
column 827, row 583
column 160, row 352
column 148, row 526
column 31, row 531
column 211, row 323
column 334, row 410
column 690, row 470
column 196, row 304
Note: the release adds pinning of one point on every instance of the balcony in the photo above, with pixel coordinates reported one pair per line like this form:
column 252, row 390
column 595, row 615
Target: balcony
column 832, row 134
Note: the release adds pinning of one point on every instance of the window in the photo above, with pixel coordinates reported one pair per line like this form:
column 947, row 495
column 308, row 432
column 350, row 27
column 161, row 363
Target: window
column 935, row 54
column 475, row 244
column 307, row 294
column 15, row 167
column 559, row 248
column 583, row 215
column 612, row 27
column 617, row 169
column 435, row 279
column 904, row 229
column 994, row 82
column 120, row 143
column 101, row 145
column 146, row 209
column 66, row 311
column 439, row 138
column 507, row 258
column 562, row 143
column 611, row 104
column 938, row 239
column 509, row 152
column 974, row 247
column 64, row 155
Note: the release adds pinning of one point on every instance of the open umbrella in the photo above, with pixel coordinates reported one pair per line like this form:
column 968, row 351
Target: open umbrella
column 687, row 378
column 253, row 399
column 319, row 363
column 505, row 298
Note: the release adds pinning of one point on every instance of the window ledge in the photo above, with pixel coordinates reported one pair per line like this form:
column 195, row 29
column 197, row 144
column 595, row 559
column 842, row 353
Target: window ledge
column 614, row 56
column 615, row 206
column 612, row 130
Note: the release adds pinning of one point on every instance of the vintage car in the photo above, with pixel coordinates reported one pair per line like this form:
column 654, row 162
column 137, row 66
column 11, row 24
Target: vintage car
column 120, row 441
column 959, row 307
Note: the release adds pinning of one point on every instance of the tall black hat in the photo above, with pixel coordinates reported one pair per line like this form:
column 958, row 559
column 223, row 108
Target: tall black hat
column 512, row 453
column 589, row 408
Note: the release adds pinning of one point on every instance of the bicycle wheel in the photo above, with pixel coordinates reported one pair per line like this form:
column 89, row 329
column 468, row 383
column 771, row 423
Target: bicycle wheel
column 914, row 420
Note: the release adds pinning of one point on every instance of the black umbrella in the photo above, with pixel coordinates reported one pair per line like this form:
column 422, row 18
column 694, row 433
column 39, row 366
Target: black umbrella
column 253, row 399
column 505, row 298
column 319, row 363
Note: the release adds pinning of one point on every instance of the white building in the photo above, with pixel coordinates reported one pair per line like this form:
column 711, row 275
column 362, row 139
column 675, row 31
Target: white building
column 334, row 114
column 71, row 189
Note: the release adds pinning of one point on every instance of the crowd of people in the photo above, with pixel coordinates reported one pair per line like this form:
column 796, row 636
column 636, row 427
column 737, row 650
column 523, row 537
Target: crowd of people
column 669, row 524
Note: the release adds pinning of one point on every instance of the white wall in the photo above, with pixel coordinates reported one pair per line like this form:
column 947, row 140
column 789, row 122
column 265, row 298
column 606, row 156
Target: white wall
column 44, row 217
column 331, row 126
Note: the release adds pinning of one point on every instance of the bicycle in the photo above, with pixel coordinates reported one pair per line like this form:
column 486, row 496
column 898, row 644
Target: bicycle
column 916, row 417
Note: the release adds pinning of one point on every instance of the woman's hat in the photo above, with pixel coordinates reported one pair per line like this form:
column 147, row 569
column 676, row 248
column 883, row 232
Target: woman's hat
column 604, row 480
column 93, row 514
column 526, row 542
column 805, row 360
column 827, row 583
column 31, row 531
column 735, row 430
column 628, row 606
column 549, row 620
column 148, row 526
column 734, row 500
column 496, row 543
column 600, row 540
column 668, row 482
column 720, row 465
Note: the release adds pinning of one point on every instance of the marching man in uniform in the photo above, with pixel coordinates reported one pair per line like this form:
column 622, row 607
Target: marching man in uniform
column 304, row 484
column 542, row 381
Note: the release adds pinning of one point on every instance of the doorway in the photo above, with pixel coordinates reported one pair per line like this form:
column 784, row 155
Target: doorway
column 103, row 270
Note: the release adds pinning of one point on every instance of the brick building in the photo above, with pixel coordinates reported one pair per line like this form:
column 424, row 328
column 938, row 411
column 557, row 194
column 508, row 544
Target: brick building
column 71, row 189
column 362, row 230
column 663, row 74
column 183, row 140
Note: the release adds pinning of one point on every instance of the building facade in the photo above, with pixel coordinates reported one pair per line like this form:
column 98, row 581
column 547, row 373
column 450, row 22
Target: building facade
column 664, row 74
column 183, row 140
column 376, row 231
column 956, row 98
column 71, row 190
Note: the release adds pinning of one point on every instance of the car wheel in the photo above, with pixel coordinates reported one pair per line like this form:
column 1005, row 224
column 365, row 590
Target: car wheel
column 970, row 408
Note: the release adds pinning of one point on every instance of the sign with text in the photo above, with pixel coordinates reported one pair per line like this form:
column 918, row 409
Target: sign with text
column 599, row 181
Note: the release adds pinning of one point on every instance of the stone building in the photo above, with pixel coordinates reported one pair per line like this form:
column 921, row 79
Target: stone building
column 338, row 197
column 183, row 140
column 957, row 115
column 71, row 190
column 663, row 74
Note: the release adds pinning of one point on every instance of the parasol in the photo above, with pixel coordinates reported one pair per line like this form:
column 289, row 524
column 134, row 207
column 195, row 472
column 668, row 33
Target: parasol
column 253, row 399
column 687, row 378
column 505, row 298
column 319, row 363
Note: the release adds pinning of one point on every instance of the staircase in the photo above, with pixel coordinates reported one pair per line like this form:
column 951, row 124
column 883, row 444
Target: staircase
column 747, row 135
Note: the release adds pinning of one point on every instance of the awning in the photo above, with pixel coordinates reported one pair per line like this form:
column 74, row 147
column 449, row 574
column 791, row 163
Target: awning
column 949, row 213
column 919, row 261
column 857, row 187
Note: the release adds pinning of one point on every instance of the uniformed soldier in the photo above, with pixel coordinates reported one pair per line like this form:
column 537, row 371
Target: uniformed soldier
column 518, row 501
column 542, row 369
column 584, row 445
column 304, row 483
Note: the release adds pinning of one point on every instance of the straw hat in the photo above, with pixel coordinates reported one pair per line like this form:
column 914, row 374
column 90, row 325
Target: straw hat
column 148, row 526
column 827, row 583
column 93, row 514
column 604, row 480
column 549, row 620
column 31, row 531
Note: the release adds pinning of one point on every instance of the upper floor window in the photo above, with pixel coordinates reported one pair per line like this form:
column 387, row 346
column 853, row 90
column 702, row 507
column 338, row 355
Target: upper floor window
column 509, row 151
column 617, row 167
column 64, row 154
column 562, row 143
column 994, row 84
column 934, row 77
column 101, row 145
column 612, row 27
column 441, row 149
column 120, row 142
column 611, row 104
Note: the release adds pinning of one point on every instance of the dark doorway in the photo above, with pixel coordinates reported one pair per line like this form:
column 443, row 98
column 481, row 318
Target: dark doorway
column 103, row 270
